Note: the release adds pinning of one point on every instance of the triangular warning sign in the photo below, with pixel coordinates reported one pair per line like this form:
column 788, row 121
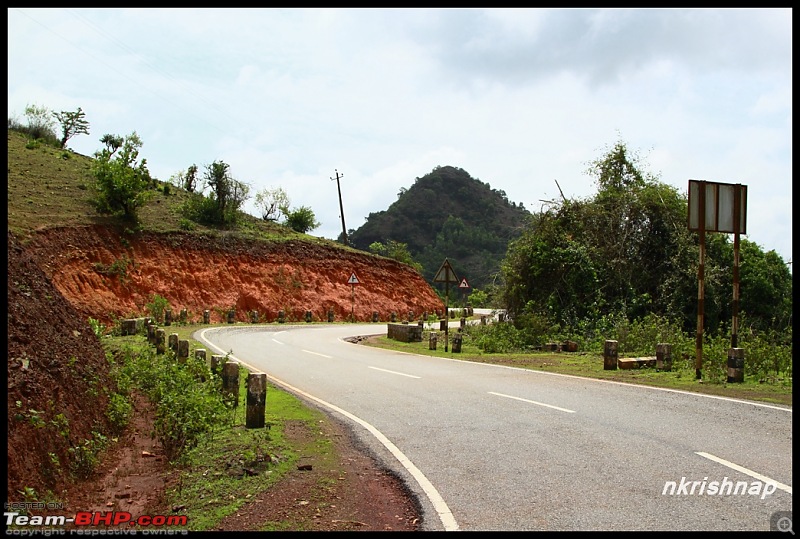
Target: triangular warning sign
column 353, row 279
column 446, row 274
column 464, row 283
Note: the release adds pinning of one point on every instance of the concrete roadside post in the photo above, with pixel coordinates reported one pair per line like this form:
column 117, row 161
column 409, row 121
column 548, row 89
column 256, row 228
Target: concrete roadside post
column 161, row 337
column 664, row 357
column 230, row 382
column 610, row 356
column 256, row 400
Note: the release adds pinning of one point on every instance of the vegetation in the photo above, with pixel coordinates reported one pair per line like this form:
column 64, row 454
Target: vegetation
column 272, row 203
column 627, row 253
column 448, row 214
column 72, row 123
column 203, row 433
column 122, row 180
column 301, row 219
column 396, row 250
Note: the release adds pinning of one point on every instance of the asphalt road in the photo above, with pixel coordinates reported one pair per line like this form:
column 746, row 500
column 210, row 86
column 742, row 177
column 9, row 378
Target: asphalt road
column 496, row 448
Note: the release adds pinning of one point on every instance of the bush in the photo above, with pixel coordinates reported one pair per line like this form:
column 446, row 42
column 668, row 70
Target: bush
column 156, row 307
column 119, row 412
column 188, row 403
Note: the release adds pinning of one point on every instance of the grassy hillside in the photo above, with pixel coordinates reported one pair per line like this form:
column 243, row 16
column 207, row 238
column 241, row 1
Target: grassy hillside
column 49, row 187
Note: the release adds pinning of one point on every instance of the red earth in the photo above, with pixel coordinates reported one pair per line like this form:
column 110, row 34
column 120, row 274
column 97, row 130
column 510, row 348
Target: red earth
column 57, row 368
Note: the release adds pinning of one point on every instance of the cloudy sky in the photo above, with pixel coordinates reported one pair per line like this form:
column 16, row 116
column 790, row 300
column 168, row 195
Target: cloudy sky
column 519, row 98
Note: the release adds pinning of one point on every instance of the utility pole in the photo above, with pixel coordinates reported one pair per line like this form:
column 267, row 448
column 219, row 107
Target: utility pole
column 341, row 208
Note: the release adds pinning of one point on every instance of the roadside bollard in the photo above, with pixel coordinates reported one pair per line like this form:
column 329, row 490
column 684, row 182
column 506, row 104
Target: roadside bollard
column 230, row 382
column 735, row 365
column 256, row 400
column 610, row 356
column 663, row 357
column 161, row 337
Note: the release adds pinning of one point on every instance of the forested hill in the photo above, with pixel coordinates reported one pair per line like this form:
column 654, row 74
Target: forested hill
column 448, row 214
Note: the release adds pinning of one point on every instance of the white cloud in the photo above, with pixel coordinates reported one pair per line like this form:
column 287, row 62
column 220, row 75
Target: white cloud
column 516, row 97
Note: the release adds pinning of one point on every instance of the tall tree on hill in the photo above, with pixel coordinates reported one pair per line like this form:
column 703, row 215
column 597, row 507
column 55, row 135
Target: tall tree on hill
column 227, row 193
column 72, row 123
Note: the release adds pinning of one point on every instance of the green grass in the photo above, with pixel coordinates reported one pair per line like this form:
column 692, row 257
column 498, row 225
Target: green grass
column 49, row 187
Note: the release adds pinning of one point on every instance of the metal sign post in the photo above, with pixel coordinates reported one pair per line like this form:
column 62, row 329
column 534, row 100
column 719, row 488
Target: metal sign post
column 353, row 281
column 464, row 285
column 446, row 275
column 716, row 207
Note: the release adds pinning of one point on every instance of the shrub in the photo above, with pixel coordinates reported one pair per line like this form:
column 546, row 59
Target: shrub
column 156, row 307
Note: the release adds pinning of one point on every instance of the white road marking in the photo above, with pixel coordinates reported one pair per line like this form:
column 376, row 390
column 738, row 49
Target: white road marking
column 395, row 372
column 316, row 353
column 277, row 341
column 532, row 402
column 745, row 471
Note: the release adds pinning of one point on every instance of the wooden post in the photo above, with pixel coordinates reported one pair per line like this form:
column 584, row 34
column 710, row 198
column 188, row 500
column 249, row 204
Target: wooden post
column 254, row 317
column 256, row 400
column 168, row 317
column 231, row 316
column 374, row 316
column 698, row 343
column 281, row 317
column 432, row 340
column 206, row 316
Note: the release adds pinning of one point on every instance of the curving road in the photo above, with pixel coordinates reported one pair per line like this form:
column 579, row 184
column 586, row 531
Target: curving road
column 496, row 448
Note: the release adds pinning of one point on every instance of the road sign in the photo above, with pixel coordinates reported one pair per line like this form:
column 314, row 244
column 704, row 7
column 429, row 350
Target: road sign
column 464, row 283
column 446, row 274
column 353, row 279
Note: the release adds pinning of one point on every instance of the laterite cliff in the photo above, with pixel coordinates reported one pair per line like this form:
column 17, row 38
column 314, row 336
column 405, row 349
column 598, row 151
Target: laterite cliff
column 107, row 275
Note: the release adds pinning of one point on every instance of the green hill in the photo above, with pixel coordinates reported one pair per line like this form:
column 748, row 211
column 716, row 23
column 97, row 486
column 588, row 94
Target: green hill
column 449, row 214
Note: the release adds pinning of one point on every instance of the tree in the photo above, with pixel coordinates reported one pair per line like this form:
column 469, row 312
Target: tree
column 227, row 193
column 301, row 220
column 72, row 123
column 122, row 181
column 190, row 179
column 627, row 252
column 272, row 202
